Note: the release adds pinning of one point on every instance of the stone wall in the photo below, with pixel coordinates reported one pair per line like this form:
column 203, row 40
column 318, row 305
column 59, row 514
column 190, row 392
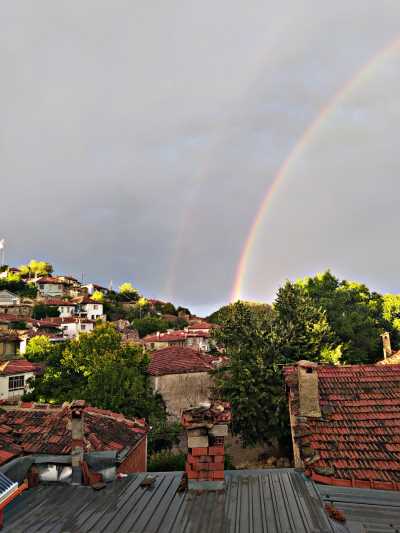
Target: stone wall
column 182, row 391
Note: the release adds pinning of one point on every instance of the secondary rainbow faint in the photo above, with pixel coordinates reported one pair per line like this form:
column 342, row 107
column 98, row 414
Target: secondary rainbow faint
column 306, row 137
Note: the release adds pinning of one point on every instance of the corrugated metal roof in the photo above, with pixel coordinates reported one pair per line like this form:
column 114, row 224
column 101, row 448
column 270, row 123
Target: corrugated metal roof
column 366, row 510
column 256, row 501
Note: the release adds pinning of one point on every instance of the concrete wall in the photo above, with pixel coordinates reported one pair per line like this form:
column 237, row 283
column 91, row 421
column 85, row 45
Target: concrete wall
column 8, row 348
column 181, row 391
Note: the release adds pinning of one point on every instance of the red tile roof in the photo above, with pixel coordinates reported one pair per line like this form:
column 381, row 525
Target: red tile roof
column 356, row 441
column 166, row 337
column 174, row 336
column 59, row 302
column 17, row 366
column 47, row 430
column 49, row 280
column 200, row 325
column 177, row 360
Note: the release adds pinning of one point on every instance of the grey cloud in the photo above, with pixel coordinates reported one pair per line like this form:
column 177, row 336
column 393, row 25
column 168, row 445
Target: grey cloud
column 138, row 138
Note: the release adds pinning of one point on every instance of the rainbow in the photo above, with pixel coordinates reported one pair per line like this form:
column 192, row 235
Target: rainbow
column 297, row 150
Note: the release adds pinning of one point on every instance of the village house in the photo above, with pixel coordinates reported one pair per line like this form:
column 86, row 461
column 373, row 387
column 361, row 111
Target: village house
column 51, row 287
column 44, row 491
column 14, row 376
column 344, row 422
column 198, row 339
column 157, row 341
column 10, row 270
column 73, row 326
column 88, row 308
column 65, row 308
column 9, row 345
column 82, row 306
column 90, row 288
column 64, row 441
column 11, row 303
column 182, row 377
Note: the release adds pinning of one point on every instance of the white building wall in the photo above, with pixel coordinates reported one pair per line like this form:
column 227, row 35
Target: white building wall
column 5, row 394
column 51, row 289
column 66, row 310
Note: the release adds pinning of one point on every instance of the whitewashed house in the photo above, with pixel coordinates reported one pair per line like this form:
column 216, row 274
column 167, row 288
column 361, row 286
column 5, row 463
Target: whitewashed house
column 8, row 298
column 50, row 287
column 91, row 309
column 73, row 326
column 14, row 376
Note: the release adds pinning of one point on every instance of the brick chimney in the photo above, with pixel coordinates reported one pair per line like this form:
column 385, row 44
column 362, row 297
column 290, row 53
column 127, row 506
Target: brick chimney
column 206, row 427
column 387, row 348
column 77, row 445
column 308, row 388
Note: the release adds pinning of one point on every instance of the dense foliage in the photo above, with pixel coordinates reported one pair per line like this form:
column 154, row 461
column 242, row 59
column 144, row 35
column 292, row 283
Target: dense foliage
column 356, row 315
column 40, row 311
column 100, row 369
column 252, row 379
column 19, row 287
column 319, row 319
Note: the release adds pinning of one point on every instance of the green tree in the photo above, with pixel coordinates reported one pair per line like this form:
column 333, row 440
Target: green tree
column 356, row 315
column 301, row 329
column 26, row 290
column 41, row 349
column 100, row 369
column 40, row 311
column 391, row 311
column 252, row 380
column 98, row 296
column 149, row 324
column 36, row 268
column 127, row 293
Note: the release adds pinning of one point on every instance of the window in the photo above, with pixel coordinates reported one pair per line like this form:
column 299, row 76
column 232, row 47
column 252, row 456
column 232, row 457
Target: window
column 83, row 326
column 95, row 306
column 16, row 382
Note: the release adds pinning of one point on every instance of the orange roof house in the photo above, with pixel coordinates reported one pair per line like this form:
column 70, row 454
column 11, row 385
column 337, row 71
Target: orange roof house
column 345, row 423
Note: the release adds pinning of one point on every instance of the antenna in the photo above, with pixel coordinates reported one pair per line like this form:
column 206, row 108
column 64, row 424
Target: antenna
column 3, row 251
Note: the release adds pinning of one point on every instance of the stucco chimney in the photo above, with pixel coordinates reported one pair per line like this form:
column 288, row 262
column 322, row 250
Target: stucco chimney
column 308, row 388
column 387, row 348
column 77, row 445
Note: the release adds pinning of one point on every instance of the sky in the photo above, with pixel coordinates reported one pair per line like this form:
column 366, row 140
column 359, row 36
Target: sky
column 138, row 140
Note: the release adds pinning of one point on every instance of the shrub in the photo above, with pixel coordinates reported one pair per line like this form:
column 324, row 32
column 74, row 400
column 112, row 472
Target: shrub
column 166, row 461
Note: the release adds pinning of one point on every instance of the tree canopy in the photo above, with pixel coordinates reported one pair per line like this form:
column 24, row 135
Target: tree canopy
column 36, row 268
column 100, row 369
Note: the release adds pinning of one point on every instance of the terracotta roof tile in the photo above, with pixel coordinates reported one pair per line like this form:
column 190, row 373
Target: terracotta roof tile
column 49, row 431
column 17, row 366
column 177, row 360
column 356, row 440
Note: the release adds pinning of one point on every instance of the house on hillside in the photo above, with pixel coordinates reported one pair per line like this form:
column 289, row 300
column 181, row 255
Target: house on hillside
column 14, row 376
column 11, row 303
column 90, row 288
column 87, row 308
column 344, row 423
column 73, row 326
column 158, row 341
column 65, row 308
column 182, row 377
column 51, row 287
column 199, row 340
column 9, row 345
